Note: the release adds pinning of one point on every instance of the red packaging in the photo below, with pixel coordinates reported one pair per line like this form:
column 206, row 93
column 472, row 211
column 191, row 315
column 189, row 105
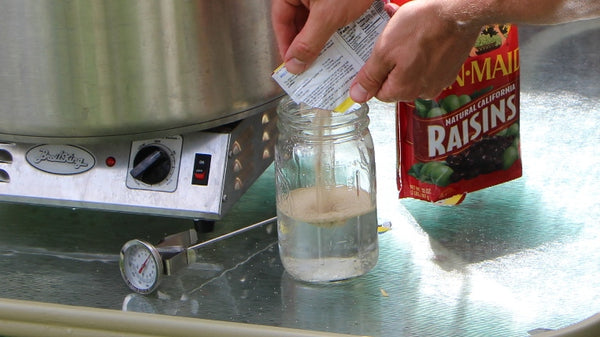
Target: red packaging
column 467, row 138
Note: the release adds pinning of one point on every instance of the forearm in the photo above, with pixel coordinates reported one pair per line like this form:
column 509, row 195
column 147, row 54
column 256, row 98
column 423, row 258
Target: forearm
column 522, row 11
column 426, row 42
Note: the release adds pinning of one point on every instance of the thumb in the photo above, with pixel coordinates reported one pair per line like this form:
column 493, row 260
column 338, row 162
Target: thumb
column 307, row 45
column 368, row 81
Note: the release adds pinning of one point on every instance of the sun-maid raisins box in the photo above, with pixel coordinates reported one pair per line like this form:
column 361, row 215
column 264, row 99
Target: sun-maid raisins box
column 467, row 138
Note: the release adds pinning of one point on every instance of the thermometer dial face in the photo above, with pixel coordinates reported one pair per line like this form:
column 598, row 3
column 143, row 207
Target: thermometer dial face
column 141, row 266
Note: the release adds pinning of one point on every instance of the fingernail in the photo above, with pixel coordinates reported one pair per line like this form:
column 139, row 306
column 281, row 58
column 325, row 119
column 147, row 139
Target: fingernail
column 295, row 66
column 358, row 93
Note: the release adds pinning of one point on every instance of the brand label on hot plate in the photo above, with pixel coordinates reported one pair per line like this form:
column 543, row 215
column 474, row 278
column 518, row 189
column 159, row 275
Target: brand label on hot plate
column 60, row 159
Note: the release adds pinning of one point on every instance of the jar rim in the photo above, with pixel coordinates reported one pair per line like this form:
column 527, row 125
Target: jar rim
column 303, row 106
column 313, row 124
column 301, row 113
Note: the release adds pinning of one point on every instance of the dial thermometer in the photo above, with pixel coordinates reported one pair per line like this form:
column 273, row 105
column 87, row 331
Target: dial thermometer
column 143, row 265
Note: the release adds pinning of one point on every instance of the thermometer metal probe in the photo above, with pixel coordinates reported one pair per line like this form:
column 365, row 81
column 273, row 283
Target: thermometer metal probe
column 143, row 265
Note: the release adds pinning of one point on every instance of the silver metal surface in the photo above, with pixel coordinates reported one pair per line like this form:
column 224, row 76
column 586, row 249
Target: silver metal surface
column 80, row 176
column 173, row 250
column 87, row 69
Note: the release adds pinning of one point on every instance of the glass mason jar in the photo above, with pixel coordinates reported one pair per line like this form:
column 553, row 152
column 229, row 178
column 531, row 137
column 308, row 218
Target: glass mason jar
column 326, row 192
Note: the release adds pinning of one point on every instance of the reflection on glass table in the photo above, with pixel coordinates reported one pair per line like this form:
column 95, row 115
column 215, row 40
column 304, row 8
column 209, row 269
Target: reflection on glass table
column 510, row 259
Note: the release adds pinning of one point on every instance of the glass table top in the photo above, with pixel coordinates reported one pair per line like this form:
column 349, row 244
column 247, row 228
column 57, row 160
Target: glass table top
column 510, row 259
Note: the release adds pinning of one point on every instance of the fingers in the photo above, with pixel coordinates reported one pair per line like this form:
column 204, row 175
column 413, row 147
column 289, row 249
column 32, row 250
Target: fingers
column 393, row 82
column 380, row 76
column 307, row 25
column 309, row 42
column 390, row 74
column 403, row 65
column 391, row 8
column 368, row 81
column 287, row 20
column 320, row 25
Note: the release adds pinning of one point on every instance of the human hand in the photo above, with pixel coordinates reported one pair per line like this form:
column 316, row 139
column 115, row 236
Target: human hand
column 418, row 54
column 302, row 27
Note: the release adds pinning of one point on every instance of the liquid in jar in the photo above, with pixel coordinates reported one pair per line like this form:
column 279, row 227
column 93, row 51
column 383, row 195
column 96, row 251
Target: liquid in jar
column 326, row 193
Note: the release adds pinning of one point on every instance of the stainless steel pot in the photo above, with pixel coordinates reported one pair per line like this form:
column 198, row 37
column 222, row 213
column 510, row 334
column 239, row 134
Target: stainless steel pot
column 89, row 69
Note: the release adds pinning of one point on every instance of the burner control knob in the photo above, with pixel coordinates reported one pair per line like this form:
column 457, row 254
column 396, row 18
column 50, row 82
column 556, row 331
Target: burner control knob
column 151, row 165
